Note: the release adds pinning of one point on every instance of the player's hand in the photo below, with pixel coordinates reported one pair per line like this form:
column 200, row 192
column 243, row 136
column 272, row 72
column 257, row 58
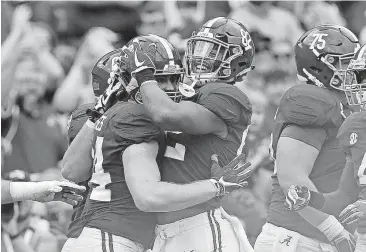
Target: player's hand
column 105, row 101
column 134, row 60
column 231, row 176
column 297, row 197
column 46, row 191
column 344, row 242
column 353, row 212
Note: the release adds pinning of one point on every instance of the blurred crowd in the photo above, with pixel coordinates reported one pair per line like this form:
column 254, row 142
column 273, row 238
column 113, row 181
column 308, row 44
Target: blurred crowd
column 49, row 48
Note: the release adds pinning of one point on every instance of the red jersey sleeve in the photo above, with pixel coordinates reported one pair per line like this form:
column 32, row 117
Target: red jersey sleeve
column 311, row 136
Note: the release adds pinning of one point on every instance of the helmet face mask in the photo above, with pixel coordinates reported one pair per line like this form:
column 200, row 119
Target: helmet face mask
column 169, row 84
column 338, row 64
column 354, row 85
column 206, row 57
column 169, row 69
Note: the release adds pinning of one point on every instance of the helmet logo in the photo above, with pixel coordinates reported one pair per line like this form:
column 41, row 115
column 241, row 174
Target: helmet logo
column 246, row 39
column 318, row 41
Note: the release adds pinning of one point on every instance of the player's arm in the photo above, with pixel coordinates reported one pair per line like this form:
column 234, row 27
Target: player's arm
column 297, row 150
column 295, row 160
column 333, row 203
column 78, row 162
column 152, row 195
column 186, row 116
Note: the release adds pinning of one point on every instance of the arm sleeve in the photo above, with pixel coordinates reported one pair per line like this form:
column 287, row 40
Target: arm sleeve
column 314, row 136
column 347, row 192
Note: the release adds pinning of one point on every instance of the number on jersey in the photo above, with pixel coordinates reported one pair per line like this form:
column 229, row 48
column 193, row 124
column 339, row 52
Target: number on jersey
column 100, row 177
column 177, row 152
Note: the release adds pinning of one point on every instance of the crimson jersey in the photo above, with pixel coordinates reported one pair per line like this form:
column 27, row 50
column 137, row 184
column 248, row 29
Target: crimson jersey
column 76, row 121
column 306, row 110
column 188, row 157
column 352, row 138
column 110, row 206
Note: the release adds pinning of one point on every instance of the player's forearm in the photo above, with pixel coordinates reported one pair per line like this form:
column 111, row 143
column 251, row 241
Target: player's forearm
column 77, row 161
column 18, row 191
column 311, row 215
column 346, row 194
column 159, row 106
column 166, row 197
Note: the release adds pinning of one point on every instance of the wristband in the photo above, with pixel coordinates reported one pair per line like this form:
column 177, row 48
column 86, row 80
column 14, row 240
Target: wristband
column 330, row 227
column 90, row 124
column 144, row 76
column 220, row 189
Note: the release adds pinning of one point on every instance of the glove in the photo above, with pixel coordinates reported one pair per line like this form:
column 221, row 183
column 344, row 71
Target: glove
column 297, row 197
column 351, row 213
column 344, row 242
column 337, row 235
column 134, row 60
column 231, row 176
column 105, row 101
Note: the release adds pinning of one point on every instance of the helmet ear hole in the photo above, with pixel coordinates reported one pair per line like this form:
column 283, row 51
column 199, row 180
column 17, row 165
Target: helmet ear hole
column 315, row 69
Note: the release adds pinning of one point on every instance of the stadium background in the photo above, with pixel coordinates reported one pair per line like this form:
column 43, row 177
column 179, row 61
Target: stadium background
column 46, row 63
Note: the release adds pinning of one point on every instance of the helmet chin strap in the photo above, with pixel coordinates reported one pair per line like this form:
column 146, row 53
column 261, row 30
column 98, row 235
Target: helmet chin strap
column 188, row 90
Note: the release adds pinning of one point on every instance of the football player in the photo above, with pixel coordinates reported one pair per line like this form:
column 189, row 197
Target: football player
column 304, row 143
column 115, row 220
column 100, row 76
column 352, row 139
column 215, row 119
column 76, row 121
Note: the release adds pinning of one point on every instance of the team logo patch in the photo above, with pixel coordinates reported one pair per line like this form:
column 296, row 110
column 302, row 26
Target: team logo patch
column 353, row 138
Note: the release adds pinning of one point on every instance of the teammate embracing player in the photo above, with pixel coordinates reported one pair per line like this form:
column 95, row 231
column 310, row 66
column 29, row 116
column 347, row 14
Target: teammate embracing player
column 115, row 220
column 304, row 144
column 214, row 119
column 352, row 139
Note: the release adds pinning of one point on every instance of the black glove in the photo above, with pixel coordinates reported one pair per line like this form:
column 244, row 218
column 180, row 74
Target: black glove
column 231, row 176
column 344, row 242
column 134, row 59
column 297, row 197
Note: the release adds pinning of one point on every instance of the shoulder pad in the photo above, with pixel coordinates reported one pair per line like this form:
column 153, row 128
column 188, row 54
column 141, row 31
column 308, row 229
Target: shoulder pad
column 308, row 105
column 227, row 91
column 77, row 120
